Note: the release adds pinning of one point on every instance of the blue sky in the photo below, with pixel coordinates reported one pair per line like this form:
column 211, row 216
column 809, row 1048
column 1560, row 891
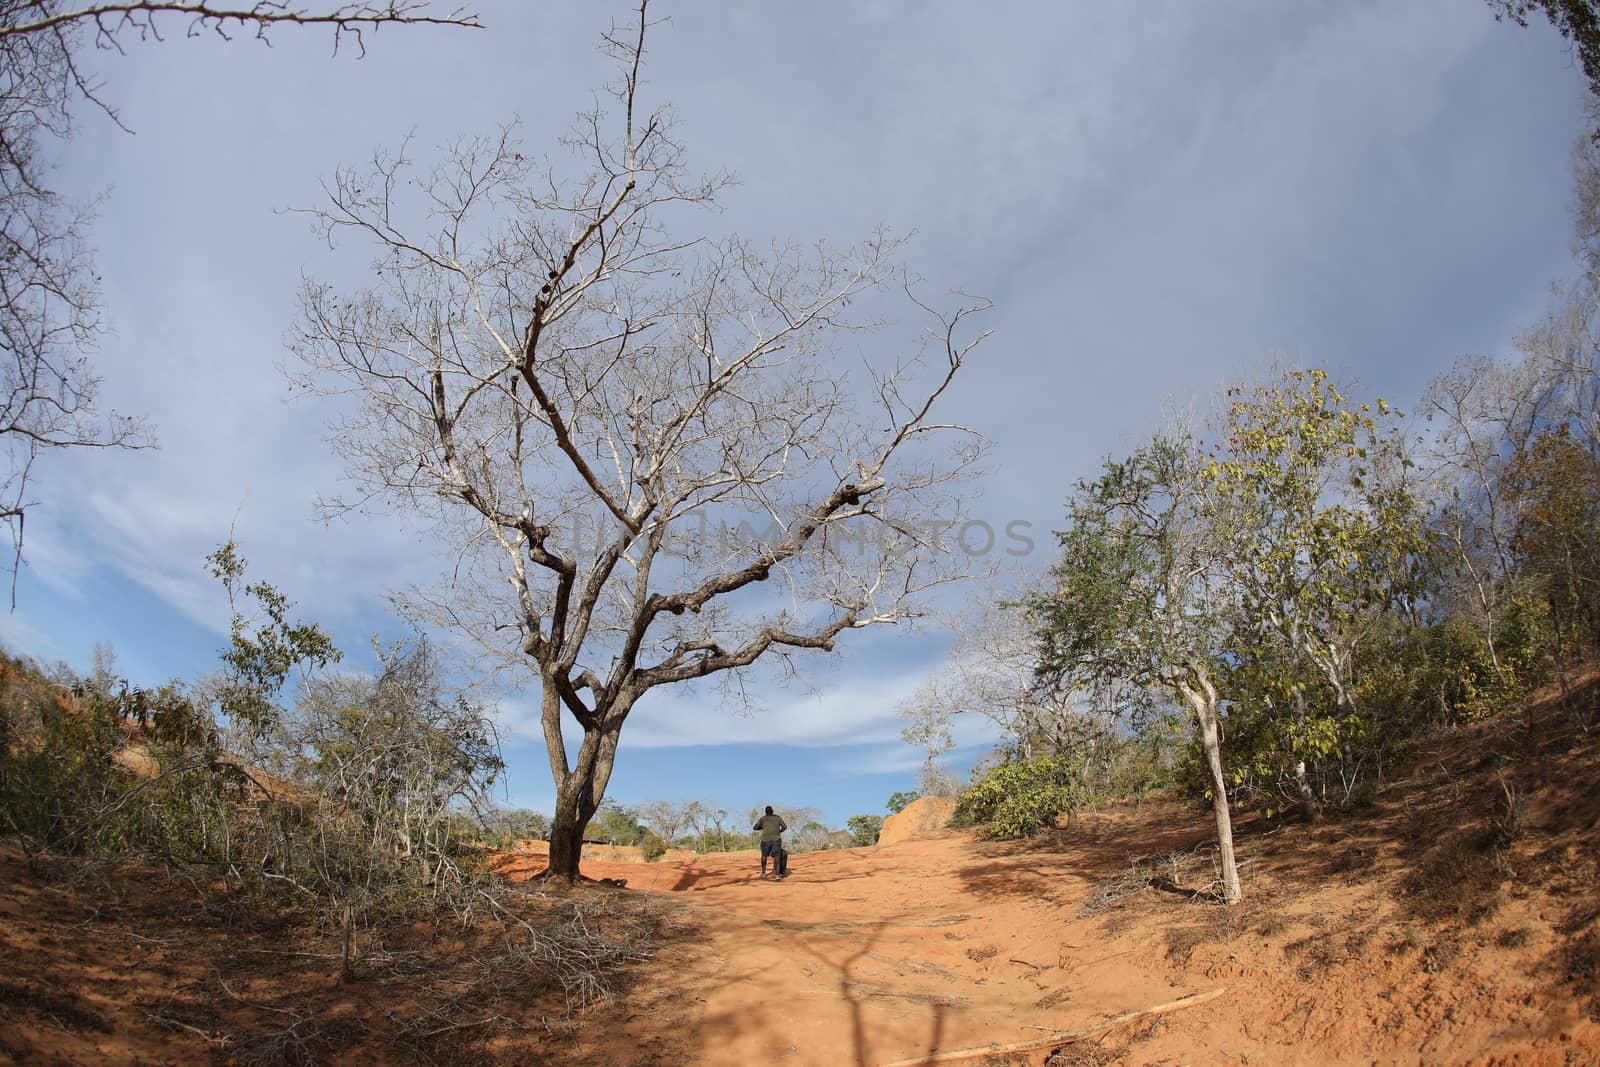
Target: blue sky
column 1158, row 198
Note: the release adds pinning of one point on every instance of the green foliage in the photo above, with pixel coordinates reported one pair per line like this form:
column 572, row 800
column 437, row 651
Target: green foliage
column 1130, row 604
column 653, row 846
column 62, row 784
column 898, row 801
column 1576, row 20
column 617, row 824
column 262, row 652
column 1552, row 486
column 358, row 799
column 865, row 828
column 1019, row 798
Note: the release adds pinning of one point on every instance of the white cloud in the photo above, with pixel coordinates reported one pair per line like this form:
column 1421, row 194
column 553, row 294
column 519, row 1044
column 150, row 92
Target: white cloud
column 850, row 710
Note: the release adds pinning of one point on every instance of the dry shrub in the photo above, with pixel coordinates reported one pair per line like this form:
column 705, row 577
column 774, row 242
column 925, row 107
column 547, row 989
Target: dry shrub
column 1173, row 871
column 1514, row 938
column 1275, row 926
column 1457, row 878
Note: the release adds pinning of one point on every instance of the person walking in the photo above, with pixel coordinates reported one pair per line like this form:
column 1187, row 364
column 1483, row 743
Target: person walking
column 771, row 827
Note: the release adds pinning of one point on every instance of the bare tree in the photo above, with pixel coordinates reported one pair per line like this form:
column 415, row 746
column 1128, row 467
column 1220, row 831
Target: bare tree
column 655, row 466
column 50, row 309
column 112, row 23
column 991, row 671
column 665, row 818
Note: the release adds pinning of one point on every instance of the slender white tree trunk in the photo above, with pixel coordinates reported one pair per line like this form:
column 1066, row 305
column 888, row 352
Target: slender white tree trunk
column 1203, row 702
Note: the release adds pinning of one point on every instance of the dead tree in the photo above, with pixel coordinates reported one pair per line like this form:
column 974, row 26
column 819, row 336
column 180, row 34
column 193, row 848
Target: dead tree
column 654, row 463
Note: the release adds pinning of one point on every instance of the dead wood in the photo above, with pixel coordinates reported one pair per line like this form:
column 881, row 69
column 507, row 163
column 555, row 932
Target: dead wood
column 1059, row 1037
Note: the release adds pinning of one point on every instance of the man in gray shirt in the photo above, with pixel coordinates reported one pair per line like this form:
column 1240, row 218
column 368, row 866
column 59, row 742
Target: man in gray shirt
column 771, row 828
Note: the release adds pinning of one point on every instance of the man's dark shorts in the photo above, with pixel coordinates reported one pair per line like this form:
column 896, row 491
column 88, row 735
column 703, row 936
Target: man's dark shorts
column 770, row 849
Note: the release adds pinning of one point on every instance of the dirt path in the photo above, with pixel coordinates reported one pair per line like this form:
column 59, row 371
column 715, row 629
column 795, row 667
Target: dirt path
column 871, row 956
column 876, row 956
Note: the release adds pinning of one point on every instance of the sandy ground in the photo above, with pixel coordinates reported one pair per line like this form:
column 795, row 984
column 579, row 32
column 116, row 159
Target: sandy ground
column 870, row 956
column 877, row 956
column 1454, row 921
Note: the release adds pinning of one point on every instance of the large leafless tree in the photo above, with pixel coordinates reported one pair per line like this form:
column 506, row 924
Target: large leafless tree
column 50, row 306
column 656, row 463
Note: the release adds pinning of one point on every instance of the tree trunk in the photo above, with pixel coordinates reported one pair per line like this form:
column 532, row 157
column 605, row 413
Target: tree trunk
column 566, row 843
column 578, row 795
column 1302, row 781
column 1204, row 705
column 1308, row 796
column 1231, row 893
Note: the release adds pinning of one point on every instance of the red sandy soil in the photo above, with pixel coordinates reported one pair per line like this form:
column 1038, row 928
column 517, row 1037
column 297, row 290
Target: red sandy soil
column 1442, row 925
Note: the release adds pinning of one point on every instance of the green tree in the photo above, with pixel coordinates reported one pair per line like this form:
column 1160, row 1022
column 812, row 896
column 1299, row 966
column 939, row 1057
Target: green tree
column 1553, row 488
column 1324, row 538
column 1576, row 21
column 617, row 824
column 897, row 801
column 1136, row 603
column 264, row 649
column 865, row 828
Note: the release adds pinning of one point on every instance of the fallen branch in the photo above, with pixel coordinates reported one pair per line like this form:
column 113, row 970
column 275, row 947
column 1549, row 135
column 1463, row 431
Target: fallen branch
column 1059, row 1037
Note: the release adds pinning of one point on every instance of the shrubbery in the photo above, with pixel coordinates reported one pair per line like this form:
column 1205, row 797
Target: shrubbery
column 1019, row 797
column 359, row 799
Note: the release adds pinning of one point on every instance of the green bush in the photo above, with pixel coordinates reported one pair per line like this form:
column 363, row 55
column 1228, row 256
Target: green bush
column 865, row 828
column 654, row 847
column 1020, row 797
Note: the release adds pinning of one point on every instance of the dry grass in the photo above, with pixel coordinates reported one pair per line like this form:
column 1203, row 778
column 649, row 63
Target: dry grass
column 262, row 989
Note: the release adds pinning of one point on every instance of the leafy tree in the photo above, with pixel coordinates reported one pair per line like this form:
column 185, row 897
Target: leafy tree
column 865, row 828
column 1576, row 21
column 897, row 801
column 575, row 387
column 1324, row 539
column 1553, row 488
column 617, row 824
column 264, row 649
column 1136, row 601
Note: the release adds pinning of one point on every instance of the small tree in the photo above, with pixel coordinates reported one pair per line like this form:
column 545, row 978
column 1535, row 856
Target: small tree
column 579, row 399
column 395, row 753
column 1136, row 601
column 665, row 818
column 812, row 835
column 1553, row 488
column 1325, row 538
column 865, row 828
column 897, row 801
column 617, row 824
